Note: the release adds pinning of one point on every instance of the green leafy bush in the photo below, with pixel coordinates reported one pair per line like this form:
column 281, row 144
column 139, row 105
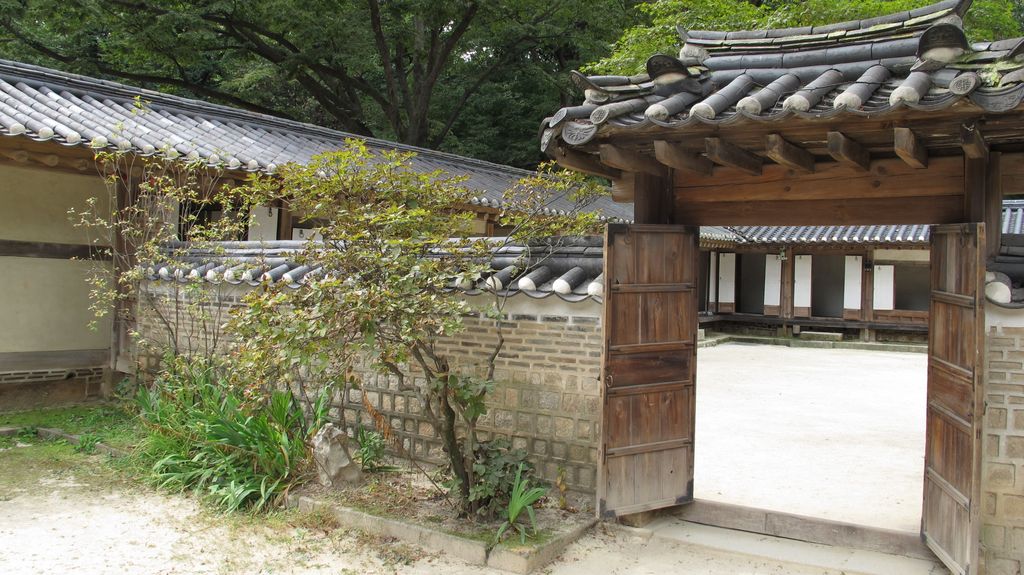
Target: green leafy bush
column 372, row 448
column 497, row 468
column 211, row 438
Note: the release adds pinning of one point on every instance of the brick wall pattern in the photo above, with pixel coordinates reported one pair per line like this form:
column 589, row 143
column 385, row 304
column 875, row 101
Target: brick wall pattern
column 546, row 401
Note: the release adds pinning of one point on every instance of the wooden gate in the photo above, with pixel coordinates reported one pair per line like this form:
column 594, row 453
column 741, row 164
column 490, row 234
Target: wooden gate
column 950, row 520
column 650, row 332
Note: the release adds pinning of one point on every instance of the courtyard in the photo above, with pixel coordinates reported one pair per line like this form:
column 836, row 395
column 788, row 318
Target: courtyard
column 836, row 434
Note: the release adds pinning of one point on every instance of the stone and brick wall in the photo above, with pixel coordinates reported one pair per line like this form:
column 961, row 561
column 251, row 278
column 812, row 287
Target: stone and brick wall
column 1003, row 463
column 547, row 398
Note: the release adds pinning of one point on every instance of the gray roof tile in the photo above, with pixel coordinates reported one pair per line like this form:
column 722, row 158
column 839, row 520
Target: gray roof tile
column 836, row 61
column 45, row 104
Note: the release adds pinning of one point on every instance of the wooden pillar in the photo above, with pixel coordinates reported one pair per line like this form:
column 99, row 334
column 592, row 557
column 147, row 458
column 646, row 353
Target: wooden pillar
column 787, row 284
column 652, row 200
column 975, row 176
column 122, row 322
column 993, row 205
column 868, row 302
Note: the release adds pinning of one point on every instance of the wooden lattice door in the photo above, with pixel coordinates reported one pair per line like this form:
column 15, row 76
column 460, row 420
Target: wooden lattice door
column 650, row 333
column 950, row 520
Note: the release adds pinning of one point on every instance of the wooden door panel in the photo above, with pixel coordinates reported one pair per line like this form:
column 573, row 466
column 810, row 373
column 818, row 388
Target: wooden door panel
column 636, row 428
column 648, row 368
column 629, row 369
column 950, row 522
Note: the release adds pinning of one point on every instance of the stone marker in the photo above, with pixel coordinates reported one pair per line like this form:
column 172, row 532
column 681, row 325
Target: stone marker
column 334, row 464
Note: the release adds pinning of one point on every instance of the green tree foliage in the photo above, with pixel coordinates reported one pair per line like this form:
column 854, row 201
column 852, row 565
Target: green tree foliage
column 395, row 244
column 987, row 19
column 469, row 76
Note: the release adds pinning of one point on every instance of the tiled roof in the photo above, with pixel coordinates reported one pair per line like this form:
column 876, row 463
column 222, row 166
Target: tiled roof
column 902, row 234
column 572, row 271
column 72, row 110
column 919, row 59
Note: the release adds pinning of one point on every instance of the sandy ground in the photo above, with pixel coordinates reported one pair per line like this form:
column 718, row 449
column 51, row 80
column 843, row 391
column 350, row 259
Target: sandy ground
column 77, row 518
column 837, row 434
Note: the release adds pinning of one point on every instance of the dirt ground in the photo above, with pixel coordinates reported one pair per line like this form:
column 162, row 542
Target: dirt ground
column 64, row 512
column 832, row 433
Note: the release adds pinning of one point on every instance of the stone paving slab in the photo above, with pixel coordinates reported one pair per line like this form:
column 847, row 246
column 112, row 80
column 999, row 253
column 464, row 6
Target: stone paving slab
column 831, row 560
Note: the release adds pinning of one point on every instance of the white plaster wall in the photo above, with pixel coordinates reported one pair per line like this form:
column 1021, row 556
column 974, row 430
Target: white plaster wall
column 36, row 204
column 551, row 305
column 1000, row 317
column 727, row 278
column 304, row 234
column 713, row 279
column 919, row 255
column 263, row 224
column 773, row 280
column 852, row 286
column 802, row 281
column 44, row 306
column 883, row 288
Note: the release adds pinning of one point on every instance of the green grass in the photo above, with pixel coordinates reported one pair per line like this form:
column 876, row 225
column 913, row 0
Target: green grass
column 22, row 467
column 108, row 423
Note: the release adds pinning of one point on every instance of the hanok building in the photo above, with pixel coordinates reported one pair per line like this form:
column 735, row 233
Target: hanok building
column 53, row 123
column 897, row 120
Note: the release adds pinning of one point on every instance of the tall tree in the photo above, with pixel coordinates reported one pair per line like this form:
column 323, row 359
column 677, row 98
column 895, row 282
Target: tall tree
column 402, row 69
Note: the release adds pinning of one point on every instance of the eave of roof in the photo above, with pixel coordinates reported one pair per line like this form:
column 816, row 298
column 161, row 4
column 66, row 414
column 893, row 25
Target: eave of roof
column 899, row 65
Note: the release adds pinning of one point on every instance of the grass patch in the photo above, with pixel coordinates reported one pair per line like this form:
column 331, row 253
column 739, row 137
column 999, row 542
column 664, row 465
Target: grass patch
column 24, row 462
column 105, row 423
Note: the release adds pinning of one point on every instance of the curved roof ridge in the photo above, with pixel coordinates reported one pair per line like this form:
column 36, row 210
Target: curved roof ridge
column 919, row 18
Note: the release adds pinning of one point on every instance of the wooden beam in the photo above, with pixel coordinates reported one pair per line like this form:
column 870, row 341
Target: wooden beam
column 585, row 163
column 847, row 151
column 652, row 203
column 725, row 154
column 973, row 142
column 630, row 161
column 675, row 157
column 63, row 359
column 787, row 154
column 909, row 149
column 993, row 205
column 622, row 190
column 50, row 250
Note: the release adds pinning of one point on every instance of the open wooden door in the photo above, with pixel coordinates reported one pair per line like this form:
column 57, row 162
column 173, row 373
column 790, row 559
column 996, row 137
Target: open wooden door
column 950, row 522
column 650, row 333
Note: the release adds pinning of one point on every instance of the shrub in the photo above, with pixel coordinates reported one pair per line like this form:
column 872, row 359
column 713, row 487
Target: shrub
column 497, row 468
column 211, row 438
column 372, row 448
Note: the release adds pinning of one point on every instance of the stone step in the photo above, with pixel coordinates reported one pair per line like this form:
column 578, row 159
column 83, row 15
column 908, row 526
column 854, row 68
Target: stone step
column 803, row 528
column 829, row 559
column 821, row 336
